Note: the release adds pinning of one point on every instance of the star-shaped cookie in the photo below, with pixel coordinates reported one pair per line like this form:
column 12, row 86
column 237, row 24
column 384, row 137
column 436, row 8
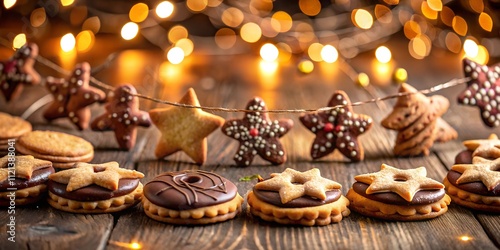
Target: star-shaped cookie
column 106, row 175
column 483, row 90
column 23, row 165
column 486, row 148
column 123, row 116
column 482, row 170
column 405, row 182
column 18, row 71
column 72, row 96
column 258, row 135
column 338, row 128
column 292, row 184
column 184, row 129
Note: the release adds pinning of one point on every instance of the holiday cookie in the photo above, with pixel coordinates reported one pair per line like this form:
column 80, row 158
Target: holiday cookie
column 23, row 179
column 191, row 197
column 18, row 71
column 184, row 129
column 483, row 90
column 63, row 150
column 337, row 128
column 122, row 116
column 300, row 198
column 11, row 127
column 72, row 97
column 95, row 188
column 397, row 194
column 417, row 120
column 475, row 185
column 486, row 148
column 257, row 135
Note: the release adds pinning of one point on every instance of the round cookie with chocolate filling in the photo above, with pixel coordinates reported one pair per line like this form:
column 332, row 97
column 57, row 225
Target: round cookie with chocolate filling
column 95, row 188
column 300, row 198
column 398, row 194
column 25, row 175
column 191, row 197
column 475, row 185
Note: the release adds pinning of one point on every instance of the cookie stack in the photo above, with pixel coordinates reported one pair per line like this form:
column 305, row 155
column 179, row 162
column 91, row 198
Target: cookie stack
column 63, row 150
column 11, row 127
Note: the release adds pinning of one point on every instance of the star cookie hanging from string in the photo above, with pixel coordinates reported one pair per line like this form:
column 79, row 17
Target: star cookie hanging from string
column 18, row 71
column 73, row 96
column 258, row 135
column 417, row 118
column 123, row 116
column 337, row 128
column 184, row 129
column 483, row 91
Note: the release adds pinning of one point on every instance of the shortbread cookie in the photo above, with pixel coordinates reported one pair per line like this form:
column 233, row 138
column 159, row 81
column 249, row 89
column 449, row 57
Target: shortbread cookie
column 72, row 97
column 191, row 197
column 338, row 128
column 476, row 185
column 299, row 198
column 18, row 71
column 11, row 127
column 417, row 120
column 257, row 135
column 23, row 179
column 123, row 116
column 397, row 194
column 63, row 150
column 95, row 188
column 184, row 129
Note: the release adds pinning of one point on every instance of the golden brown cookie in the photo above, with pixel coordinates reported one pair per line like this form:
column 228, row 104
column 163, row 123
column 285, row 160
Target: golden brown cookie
column 95, row 188
column 417, row 120
column 62, row 149
column 397, row 194
column 299, row 198
column 475, row 185
column 184, row 129
column 11, row 127
column 191, row 198
column 23, row 179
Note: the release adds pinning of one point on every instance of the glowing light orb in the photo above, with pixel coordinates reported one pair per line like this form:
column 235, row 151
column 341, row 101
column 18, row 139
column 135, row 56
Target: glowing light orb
column 329, row 54
column 129, row 30
column 164, row 9
column 470, row 48
column 175, row 55
column 400, row 75
column 383, row 54
column 269, row 52
column 305, row 66
column 68, row 42
column 19, row 41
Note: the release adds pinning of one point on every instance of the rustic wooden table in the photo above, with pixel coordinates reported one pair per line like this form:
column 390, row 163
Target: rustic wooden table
column 230, row 81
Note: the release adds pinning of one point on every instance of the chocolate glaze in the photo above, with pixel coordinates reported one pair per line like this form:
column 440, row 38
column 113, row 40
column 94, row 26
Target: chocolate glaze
column 464, row 157
column 38, row 177
column 185, row 190
column 93, row 192
column 476, row 187
column 422, row 197
column 273, row 197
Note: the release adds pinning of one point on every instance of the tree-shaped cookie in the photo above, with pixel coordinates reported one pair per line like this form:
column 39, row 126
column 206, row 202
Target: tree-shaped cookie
column 417, row 120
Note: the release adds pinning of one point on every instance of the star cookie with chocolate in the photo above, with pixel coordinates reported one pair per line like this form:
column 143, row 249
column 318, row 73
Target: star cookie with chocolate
column 123, row 116
column 337, row 128
column 298, row 198
column 475, row 185
column 23, row 179
column 486, row 148
column 95, row 188
column 191, row 197
column 257, row 135
column 398, row 194
column 19, row 71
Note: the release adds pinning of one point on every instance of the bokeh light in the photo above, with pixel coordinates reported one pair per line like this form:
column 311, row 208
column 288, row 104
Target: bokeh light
column 68, row 42
column 420, row 47
column 261, row 7
column 164, row 9
column 67, row 2
column 362, row 18
column 176, row 33
column 232, row 17
column 459, row 25
column 284, row 21
column 483, row 56
column 362, row 79
column 447, row 16
column 411, row 29
column 9, row 3
column 470, row 48
column 453, row 42
column 93, row 24
column 225, row 38
column 19, row 41
column 383, row 54
column 129, row 30
column 314, row 52
column 139, row 12
column 38, row 17
column 196, row 5
column 175, row 55
column 186, row 45
column 428, row 12
column 269, row 52
column 476, row 6
column 383, row 13
column 329, row 54
column 485, row 21
column 436, row 5
column 310, row 7
column 305, row 66
column 85, row 41
column 400, row 75
column 250, row 32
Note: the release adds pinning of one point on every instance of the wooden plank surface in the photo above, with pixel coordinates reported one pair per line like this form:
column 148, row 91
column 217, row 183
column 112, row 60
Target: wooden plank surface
column 233, row 84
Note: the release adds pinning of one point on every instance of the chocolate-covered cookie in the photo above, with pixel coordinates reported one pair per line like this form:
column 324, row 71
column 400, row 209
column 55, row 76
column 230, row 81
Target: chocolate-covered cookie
column 191, row 197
